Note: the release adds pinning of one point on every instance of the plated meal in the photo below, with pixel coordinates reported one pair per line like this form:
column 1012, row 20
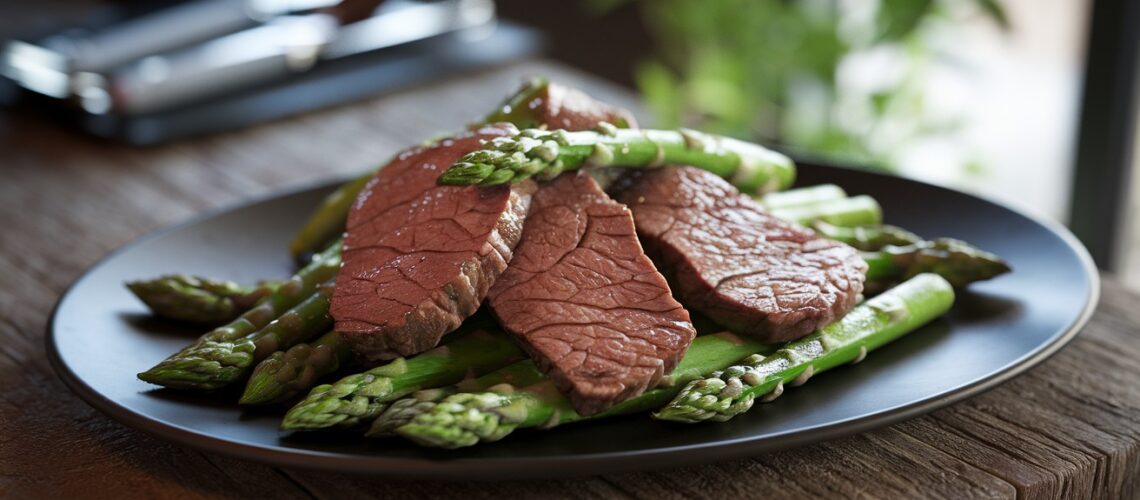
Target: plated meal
column 555, row 263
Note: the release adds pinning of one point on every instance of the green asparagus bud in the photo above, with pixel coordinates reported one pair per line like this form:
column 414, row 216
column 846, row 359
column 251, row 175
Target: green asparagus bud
column 466, row 419
column 870, row 325
column 198, row 300
column 521, row 374
column 545, row 154
column 403, row 411
column 956, row 261
column 222, row 355
column 478, row 347
column 288, row 374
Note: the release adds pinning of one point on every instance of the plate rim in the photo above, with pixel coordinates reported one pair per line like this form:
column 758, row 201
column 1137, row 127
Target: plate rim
column 495, row 468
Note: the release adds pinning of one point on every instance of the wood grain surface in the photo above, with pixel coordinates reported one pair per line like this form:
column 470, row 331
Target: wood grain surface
column 1069, row 428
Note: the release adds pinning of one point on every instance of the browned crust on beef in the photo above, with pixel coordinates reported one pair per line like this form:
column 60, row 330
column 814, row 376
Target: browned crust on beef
column 747, row 270
column 420, row 257
column 585, row 301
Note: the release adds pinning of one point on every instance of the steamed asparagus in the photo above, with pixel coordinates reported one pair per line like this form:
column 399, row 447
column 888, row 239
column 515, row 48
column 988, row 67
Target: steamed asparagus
column 198, row 300
column 866, row 237
column 326, row 223
column 450, row 418
column 854, row 211
column 286, row 374
column 798, row 197
column 877, row 321
column 478, row 347
column 956, row 261
column 402, row 411
column 545, row 154
column 222, row 355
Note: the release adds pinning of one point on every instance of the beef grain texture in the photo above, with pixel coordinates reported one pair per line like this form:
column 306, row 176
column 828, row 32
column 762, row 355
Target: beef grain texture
column 420, row 257
column 745, row 269
column 586, row 302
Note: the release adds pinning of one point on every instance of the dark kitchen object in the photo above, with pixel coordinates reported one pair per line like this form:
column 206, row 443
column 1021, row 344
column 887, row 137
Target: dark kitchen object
column 100, row 336
column 290, row 56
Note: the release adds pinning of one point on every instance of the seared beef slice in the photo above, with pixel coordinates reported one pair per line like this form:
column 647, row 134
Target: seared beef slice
column 747, row 270
column 584, row 299
column 420, row 257
column 570, row 109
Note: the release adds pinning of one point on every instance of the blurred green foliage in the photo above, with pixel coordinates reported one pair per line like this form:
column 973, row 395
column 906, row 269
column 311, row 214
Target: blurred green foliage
column 769, row 69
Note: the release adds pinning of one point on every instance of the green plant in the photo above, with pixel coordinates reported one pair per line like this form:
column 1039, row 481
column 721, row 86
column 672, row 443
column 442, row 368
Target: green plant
column 770, row 69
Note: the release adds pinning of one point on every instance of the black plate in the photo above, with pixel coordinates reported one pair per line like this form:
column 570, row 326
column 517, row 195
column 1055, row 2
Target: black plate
column 100, row 336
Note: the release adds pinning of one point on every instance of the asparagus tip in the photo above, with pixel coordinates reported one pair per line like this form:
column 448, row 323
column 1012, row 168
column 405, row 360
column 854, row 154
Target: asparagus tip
column 707, row 399
column 202, row 367
column 263, row 388
column 466, row 174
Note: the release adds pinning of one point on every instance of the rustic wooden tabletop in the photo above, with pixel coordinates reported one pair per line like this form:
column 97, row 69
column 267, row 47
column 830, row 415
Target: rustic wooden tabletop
column 1068, row 428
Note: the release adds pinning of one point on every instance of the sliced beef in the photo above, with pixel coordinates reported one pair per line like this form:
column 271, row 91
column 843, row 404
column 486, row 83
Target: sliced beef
column 570, row 109
column 420, row 257
column 749, row 271
column 585, row 301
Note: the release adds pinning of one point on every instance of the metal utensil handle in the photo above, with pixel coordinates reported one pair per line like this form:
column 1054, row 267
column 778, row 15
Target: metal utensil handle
column 159, row 32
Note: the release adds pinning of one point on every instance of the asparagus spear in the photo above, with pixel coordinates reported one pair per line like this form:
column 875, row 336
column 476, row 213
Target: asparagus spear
column 798, row 197
column 545, row 154
column 221, row 356
column 198, row 300
column 514, row 108
column 402, row 411
column 877, row 321
column 446, row 419
column 326, row 223
column 854, row 211
column 867, row 238
column 286, row 374
column 478, row 347
column 956, row 261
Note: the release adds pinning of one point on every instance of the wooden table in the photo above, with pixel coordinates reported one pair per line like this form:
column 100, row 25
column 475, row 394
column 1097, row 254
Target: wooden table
column 1068, row 428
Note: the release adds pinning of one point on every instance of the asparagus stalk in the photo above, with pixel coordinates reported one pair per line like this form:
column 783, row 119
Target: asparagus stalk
column 799, row 197
column 877, row 321
column 286, row 374
column 545, row 154
column 402, row 411
column 845, row 212
column 221, row 356
column 198, row 300
column 515, row 110
column 326, row 223
column 866, row 238
column 477, row 347
column 956, row 261
column 450, row 418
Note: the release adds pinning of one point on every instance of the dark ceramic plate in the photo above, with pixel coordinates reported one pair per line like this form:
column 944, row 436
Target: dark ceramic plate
column 100, row 336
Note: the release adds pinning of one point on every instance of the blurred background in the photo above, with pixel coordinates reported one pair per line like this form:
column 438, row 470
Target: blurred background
column 1031, row 102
